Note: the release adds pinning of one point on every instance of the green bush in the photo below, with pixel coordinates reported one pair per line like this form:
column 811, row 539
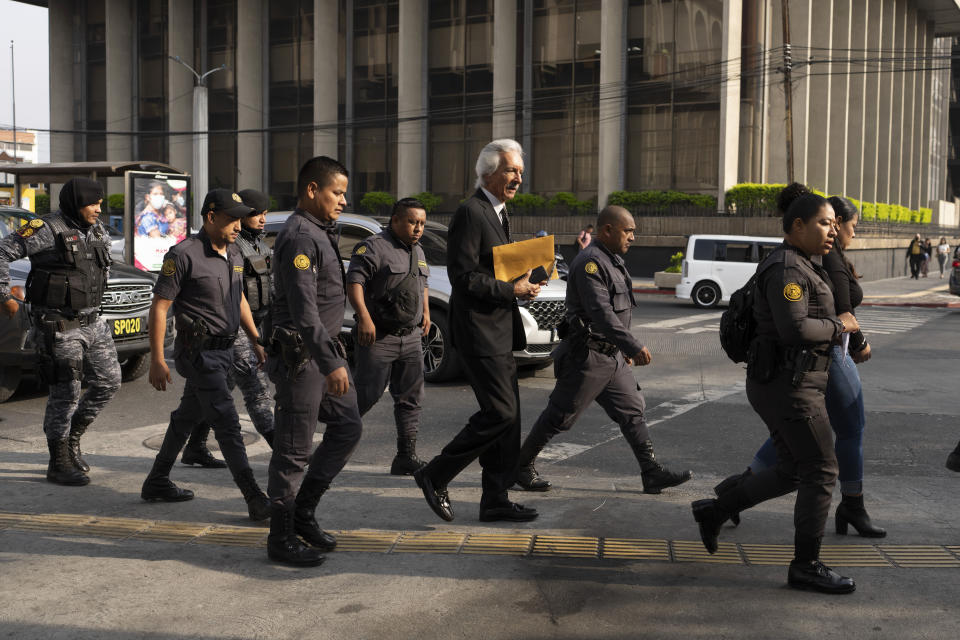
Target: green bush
column 570, row 202
column 676, row 263
column 661, row 200
column 42, row 204
column 753, row 196
column 869, row 210
column 377, row 203
column 115, row 201
column 926, row 215
column 274, row 205
column 430, row 200
column 527, row 203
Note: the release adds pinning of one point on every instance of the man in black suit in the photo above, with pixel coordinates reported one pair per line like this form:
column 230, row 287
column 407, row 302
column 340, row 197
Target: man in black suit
column 485, row 328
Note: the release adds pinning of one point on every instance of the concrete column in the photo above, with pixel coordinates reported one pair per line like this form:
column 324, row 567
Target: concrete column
column 898, row 114
column 818, row 98
column 119, row 76
column 325, row 81
column 922, row 172
column 611, row 99
column 729, row 99
column 911, row 102
column 180, row 83
column 888, row 27
column 60, row 25
column 773, row 141
column 877, row 15
column 801, row 19
column 840, row 109
column 857, row 104
column 249, row 94
column 505, row 69
column 411, row 109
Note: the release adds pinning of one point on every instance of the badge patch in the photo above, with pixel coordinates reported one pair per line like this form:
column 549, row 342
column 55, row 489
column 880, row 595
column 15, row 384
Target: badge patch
column 36, row 223
column 792, row 292
column 362, row 249
column 301, row 262
column 591, row 267
column 236, row 198
column 421, row 263
column 237, row 268
column 169, row 267
column 25, row 231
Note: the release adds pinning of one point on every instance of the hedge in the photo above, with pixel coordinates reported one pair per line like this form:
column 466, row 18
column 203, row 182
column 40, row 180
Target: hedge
column 115, row 202
column 660, row 200
column 377, row 203
column 430, row 200
column 527, row 203
column 565, row 200
column 42, row 204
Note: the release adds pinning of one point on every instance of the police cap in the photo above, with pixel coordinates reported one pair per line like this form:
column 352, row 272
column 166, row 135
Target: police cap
column 226, row 201
column 256, row 200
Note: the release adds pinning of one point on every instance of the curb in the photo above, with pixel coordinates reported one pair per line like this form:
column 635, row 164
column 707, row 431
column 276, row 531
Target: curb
column 926, row 305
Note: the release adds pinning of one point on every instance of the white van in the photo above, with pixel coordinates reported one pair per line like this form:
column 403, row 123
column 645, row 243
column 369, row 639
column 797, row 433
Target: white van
column 716, row 266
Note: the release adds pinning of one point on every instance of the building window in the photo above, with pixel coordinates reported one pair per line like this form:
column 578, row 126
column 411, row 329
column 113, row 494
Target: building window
column 95, row 87
column 220, row 40
column 152, row 78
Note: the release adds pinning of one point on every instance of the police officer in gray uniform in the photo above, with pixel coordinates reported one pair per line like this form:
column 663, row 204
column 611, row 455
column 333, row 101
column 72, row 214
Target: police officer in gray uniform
column 202, row 278
column 307, row 364
column 69, row 255
column 787, row 369
column 245, row 373
column 387, row 287
column 593, row 360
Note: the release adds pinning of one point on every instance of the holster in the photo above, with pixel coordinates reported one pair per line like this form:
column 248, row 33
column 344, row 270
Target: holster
column 49, row 368
column 288, row 345
column 802, row 360
column 192, row 333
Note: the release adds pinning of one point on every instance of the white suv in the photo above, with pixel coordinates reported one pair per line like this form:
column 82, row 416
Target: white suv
column 540, row 316
column 716, row 266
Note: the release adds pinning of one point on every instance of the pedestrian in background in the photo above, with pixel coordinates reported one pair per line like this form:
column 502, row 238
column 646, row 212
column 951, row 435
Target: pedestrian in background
column 387, row 287
column 584, row 238
column 943, row 252
column 927, row 254
column 915, row 256
column 786, row 380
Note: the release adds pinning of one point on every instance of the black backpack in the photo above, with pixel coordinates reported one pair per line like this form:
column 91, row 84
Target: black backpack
column 737, row 325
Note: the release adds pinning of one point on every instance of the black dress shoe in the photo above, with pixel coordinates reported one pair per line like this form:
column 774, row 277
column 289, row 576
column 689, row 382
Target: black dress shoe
column 953, row 460
column 511, row 511
column 656, row 480
column 816, row 576
column 438, row 500
column 710, row 518
column 529, row 480
column 165, row 492
column 202, row 457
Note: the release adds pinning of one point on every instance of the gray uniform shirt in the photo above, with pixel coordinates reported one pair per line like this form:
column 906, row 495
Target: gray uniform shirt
column 381, row 262
column 600, row 293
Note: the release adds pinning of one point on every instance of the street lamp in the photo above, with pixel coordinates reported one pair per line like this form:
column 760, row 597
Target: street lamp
column 200, row 143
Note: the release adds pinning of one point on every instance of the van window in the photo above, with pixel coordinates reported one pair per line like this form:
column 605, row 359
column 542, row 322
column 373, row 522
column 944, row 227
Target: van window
column 765, row 250
column 734, row 252
column 704, row 249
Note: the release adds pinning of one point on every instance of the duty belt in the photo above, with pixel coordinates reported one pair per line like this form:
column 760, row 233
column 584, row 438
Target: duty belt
column 602, row 346
column 808, row 359
column 217, row 343
column 405, row 331
column 63, row 323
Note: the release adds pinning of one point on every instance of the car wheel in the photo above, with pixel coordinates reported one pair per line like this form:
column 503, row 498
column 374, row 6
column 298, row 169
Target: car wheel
column 9, row 379
column 705, row 295
column 440, row 361
column 135, row 367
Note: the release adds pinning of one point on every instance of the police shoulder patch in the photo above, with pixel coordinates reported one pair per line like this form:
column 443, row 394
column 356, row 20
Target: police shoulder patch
column 792, row 292
column 591, row 267
column 36, row 223
column 238, row 268
column 421, row 263
column 25, row 231
column 302, row 262
column 236, row 198
column 169, row 267
column 361, row 249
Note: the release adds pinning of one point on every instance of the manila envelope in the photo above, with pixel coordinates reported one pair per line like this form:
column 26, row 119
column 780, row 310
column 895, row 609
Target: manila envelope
column 512, row 261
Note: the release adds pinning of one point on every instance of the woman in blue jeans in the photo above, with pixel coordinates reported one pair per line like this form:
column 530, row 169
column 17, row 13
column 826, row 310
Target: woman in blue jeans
column 844, row 394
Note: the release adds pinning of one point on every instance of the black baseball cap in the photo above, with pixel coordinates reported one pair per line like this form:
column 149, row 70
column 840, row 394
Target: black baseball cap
column 256, row 200
column 226, row 201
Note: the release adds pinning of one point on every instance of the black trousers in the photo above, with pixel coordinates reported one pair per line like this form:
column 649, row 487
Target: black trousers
column 806, row 462
column 916, row 260
column 398, row 361
column 302, row 402
column 492, row 434
column 206, row 399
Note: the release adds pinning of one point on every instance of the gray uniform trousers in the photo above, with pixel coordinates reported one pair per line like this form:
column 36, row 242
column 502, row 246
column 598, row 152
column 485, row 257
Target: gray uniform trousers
column 300, row 404
column 399, row 361
column 584, row 375
column 806, row 461
column 253, row 384
column 88, row 352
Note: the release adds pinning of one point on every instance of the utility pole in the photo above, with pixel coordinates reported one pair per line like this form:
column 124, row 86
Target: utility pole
column 788, row 86
column 200, row 142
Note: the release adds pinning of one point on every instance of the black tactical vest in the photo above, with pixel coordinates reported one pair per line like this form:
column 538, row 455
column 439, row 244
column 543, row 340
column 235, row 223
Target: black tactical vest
column 72, row 274
column 256, row 275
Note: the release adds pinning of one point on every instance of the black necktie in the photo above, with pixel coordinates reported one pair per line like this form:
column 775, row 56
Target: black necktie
column 505, row 221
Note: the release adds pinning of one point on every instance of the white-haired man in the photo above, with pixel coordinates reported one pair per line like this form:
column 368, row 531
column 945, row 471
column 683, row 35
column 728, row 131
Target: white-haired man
column 485, row 328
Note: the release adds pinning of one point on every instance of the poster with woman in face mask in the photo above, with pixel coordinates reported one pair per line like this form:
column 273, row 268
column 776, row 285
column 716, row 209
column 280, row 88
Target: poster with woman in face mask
column 159, row 215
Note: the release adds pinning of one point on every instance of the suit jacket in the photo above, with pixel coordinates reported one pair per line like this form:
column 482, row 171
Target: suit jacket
column 484, row 316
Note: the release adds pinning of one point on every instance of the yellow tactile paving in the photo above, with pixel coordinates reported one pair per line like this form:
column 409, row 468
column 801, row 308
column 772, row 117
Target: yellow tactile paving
column 693, row 551
column 516, row 544
column 566, row 546
column 497, row 544
column 636, row 549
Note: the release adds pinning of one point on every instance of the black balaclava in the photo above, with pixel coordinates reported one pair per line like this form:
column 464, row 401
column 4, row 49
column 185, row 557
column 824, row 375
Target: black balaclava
column 78, row 193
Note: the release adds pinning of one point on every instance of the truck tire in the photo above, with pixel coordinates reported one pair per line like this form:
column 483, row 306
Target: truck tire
column 9, row 380
column 135, row 367
column 440, row 361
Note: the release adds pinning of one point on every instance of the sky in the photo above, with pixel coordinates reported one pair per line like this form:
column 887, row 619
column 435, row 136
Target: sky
column 26, row 26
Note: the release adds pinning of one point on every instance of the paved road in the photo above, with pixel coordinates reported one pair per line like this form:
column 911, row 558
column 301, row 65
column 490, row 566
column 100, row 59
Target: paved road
column 603, row 561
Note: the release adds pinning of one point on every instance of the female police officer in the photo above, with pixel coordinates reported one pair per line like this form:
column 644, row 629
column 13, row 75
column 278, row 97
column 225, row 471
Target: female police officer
column 786, row 379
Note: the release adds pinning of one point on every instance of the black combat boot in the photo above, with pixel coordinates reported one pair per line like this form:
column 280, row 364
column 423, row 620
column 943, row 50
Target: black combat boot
column 729, row 483
column 304, row 518
column 851, row 511
column 61, row 469
column 77, row 429
column 529, row 480
column 710, row 518
column 283, row 545
column 196, row 451
column 406, row 460
column 258, row 505
column 157, row 486
column 655, row 476
column 953, row 460
column 807, row 572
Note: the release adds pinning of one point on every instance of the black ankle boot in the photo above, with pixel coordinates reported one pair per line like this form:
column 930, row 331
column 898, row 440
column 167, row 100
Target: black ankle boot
column 807, row 572
column 61, row 469
column 729, row 483
column 529, row 480
column 851, row 511
column 157, row 486
column 283, row 545
column 258, row 505
column 655, row 476
column 953, row 460
column 304, row 517
column 710, row 518
column 406, row 460
column 77, row 429
column 196, row 451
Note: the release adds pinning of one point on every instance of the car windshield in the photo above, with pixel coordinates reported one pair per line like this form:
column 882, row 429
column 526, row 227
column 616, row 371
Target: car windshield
column 10, row 221
column 434, row 248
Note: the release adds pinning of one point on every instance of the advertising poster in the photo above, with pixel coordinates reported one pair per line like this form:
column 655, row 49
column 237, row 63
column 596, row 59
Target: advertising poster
column 156, row 217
